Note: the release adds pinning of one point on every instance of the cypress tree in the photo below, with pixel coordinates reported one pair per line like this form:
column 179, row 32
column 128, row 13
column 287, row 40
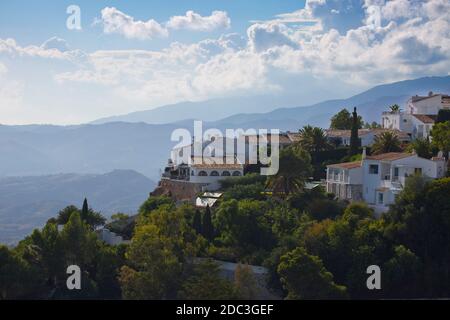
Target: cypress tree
column 354, row 139
column 207, row 227
column 84, row 210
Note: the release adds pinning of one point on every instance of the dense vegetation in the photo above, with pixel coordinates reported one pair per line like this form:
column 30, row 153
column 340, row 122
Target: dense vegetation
column 313, row 245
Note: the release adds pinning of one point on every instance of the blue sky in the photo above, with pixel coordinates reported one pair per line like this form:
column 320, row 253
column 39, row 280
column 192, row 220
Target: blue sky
column 143, row 54
column 31, row 22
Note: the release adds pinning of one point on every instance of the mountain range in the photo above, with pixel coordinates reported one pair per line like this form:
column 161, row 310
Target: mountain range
column 28, row 202
column 44, row 168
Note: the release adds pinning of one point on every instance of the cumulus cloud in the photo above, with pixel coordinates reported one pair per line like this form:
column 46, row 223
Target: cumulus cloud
column 55, row 43
column 115, row 21
column 194, row 21
column 411, row 40
column 264, row 36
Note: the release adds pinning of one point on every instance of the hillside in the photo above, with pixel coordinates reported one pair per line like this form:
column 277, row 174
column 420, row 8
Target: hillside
column 370, row 104
column 28, row 202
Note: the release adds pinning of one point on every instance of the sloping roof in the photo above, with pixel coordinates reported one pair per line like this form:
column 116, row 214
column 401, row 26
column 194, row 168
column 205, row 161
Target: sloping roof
column 346, row 165
column 346, row 133
column 390, row 156
column 420, row 98
column 426, row 118
column 282, row 138
column 235, row 166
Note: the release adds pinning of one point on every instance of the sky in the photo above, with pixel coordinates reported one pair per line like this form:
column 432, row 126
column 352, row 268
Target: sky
column 125, row 56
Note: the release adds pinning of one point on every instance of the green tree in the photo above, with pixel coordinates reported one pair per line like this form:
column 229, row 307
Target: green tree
column 422, row 147
column 160, row 248
column 205, row 283
column 394, row 108
column 441, row 136
column 313, row 139
column 343, row 121
column 294, row 169
column 197, row 221
column 355, row 142
column 305, row 277
column 245, row 282
column 207, row 226
column 386, row 142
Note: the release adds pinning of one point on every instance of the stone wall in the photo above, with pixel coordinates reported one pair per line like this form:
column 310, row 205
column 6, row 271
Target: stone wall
column 178, row 190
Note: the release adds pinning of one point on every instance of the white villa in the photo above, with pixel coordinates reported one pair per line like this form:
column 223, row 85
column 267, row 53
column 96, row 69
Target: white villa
column 377, row 179
column 420, row 115
column 367, row 136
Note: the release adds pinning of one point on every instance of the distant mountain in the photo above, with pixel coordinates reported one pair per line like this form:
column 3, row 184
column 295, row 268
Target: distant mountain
column 145, row 148
column 28, row 202
column 39, row 150
column 370, row 105
column 210, row 110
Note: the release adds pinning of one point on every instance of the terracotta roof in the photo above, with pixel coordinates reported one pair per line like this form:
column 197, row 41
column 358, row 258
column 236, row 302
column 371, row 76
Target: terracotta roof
column 294, row 136
column 390, row 156
column 211, row 163
column 217, row 166
column 425, row 118
column 346, row 165
column 282, row 138
column 346, row 133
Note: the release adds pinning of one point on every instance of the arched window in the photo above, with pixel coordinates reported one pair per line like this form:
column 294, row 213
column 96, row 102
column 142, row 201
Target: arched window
column 214, row 174
column 236, row 174
column 226, row 173
column 202, row 174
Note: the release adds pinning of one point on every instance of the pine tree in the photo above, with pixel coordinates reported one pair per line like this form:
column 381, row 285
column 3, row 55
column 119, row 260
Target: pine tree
column 207, row 226
column 354, row 139
column 197, row 221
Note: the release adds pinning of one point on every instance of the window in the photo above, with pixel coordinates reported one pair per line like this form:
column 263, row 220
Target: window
column 418, row 171
column 396, row 172
column 380, row 198
column 373, row 169
column 202, row 174
column 214, row 174
column 236, row 174
column 192, row 173
column 226, row 173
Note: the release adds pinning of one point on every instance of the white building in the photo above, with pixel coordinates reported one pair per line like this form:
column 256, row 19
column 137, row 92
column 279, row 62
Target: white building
column 367, row 136
column 378, row 179
column 420, row 115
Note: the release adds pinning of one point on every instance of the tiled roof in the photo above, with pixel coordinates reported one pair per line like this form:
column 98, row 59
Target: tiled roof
column 345, row 133
column 282, row 138
column 425, row 118
column 346, row 165
column 390, row 156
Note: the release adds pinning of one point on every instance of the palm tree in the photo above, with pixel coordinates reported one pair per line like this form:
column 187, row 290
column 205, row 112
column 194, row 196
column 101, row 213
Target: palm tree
column 294, row 168
column 313, row 139
column 386, row 142
column 394, row 108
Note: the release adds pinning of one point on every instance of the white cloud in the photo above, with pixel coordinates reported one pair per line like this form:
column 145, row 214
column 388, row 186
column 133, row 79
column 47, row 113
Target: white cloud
column 55, row 43
column 115, row 21
column 413, row 40
column 266, row 36
column 54, row 48
column 194, row 21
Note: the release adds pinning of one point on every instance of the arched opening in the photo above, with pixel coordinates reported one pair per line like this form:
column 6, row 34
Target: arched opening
column 226, row 174
column 214, row 174
column 202, row 174
column 236, row 173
